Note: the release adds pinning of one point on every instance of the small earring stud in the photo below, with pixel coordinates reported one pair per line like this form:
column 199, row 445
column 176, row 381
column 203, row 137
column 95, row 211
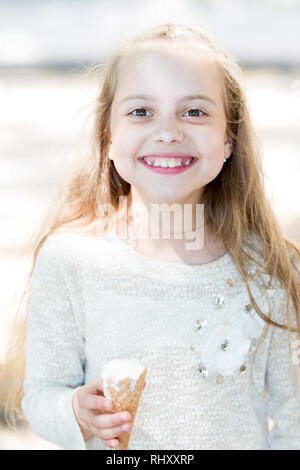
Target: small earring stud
column 224, row 159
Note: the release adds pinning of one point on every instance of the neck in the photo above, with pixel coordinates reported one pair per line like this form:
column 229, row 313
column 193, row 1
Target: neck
column 156, row 219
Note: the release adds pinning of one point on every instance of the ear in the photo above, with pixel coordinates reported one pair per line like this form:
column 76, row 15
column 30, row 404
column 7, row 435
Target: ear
column 228, row 147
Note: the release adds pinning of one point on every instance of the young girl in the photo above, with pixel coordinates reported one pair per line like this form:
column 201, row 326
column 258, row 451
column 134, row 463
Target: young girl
column 215, row 320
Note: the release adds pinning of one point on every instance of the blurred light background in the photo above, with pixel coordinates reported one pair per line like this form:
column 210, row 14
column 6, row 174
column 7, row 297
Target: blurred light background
column 45, row 48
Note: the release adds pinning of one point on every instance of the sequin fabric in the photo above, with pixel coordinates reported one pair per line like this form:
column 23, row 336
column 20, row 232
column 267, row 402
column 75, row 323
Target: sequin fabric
column 96, row 299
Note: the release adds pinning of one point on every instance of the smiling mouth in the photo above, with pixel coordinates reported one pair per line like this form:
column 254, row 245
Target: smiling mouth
column 167, row 162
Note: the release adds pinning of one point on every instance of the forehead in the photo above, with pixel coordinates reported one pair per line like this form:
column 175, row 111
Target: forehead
column 157, row 67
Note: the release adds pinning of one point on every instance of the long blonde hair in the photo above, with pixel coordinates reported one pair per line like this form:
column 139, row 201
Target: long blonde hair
column 236, row 205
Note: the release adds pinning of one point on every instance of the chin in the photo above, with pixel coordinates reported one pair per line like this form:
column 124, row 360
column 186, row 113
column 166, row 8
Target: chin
column 164, row 198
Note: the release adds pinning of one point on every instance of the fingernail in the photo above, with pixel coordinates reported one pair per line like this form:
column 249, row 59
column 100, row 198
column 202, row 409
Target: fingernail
column 126, row 417
column 126, row 427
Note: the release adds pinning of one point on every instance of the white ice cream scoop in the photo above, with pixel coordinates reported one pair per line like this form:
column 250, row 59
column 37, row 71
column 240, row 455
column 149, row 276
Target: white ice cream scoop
column 118, row 369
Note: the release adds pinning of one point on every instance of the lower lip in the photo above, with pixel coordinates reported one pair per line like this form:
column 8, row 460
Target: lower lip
column 169, row 171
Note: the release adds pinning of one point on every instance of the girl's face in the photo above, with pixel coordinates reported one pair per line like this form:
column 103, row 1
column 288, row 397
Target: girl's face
column 168, row 118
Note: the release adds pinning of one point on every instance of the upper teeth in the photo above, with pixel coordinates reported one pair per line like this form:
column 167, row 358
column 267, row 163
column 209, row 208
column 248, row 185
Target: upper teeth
column 168, row 162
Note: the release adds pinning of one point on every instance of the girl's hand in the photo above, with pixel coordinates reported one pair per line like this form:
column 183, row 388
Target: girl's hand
column 89, row 406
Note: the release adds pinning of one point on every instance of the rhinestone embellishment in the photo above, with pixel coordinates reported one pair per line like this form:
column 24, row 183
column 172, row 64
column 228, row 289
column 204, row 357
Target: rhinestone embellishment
column 193, row 347
column 203, row 371
column 224, row 345
column 219, row 301
column 201, row 324
column 248, row 307
column 230, row 282
column 220, row 379
column 242, row 369
column 270, row 292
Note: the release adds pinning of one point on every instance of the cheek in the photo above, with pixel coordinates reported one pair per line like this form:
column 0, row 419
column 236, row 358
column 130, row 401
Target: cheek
column 126, row 139
column 124, row 169
column 211, row 142
column 124, row 150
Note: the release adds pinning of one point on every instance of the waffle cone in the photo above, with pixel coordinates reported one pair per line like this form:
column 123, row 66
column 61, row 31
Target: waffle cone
column 126, row 399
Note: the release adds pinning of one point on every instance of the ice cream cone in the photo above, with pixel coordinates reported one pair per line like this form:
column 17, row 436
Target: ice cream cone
column 124, row 391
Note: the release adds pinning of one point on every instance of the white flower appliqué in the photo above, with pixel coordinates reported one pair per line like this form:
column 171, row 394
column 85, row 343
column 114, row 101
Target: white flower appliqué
column 225, row 350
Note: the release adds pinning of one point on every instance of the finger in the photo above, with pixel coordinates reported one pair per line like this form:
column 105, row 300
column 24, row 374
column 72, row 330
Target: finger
column 111, row 420
column 95, row 402
column 95, row 387
column 113, row 443
column 116, row 431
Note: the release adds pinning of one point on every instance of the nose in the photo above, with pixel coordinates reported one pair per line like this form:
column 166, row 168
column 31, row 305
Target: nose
column 169, row 136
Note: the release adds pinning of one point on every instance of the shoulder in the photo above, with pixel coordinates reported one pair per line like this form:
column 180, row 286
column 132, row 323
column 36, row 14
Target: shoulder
column 271, row 289
column 77, row 252
column 48, row 259
column 253, row 246
column 62, row 243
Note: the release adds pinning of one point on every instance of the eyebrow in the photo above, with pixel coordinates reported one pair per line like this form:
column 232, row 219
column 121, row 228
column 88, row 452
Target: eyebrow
column 183, row 98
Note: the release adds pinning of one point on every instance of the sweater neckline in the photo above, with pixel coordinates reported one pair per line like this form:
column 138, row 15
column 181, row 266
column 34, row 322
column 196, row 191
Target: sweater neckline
column 218, row 264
